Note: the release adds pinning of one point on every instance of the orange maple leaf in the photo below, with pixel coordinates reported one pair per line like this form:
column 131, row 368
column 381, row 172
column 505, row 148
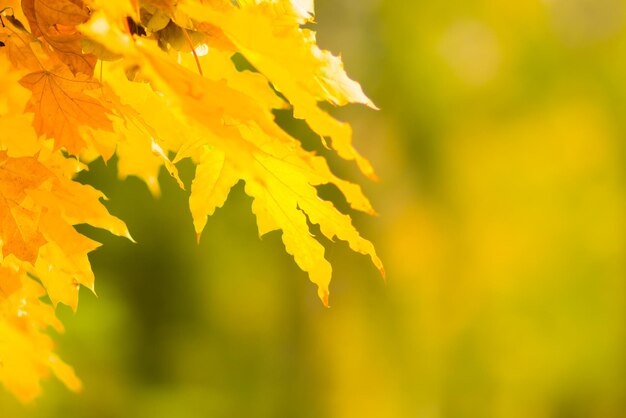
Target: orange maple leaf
column 19, row 220
column 62, row 106
column 55, row 21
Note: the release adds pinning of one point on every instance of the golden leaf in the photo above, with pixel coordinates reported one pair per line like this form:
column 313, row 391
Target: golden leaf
column 210, row 187
column 26, row 351
column 297, row 67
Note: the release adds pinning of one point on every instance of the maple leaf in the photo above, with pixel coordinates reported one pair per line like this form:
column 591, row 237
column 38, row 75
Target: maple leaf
column 18, row 46
column 289, row 57
column 39, row 204
column 140, row 130
column 19, row 232
column 214, row 178
column 272, row 164
column 61, row 107
column 26, row 351
column 55, row 21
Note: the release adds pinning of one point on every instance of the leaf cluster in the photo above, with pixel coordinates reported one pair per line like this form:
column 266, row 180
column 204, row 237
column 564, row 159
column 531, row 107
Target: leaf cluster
column 153, row 82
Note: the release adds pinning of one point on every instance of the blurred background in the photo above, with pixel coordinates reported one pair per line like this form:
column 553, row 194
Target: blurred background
column 501, row 151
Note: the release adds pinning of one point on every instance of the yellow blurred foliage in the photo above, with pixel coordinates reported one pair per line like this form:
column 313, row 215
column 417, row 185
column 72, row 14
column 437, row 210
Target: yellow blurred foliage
column 500, row 148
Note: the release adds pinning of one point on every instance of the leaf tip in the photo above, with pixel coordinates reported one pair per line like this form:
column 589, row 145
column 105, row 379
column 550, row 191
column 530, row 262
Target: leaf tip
column 155, row 189
column 129, row 237
column 323, row 294
column 373, row 177
column 369, row 103
column 65, row 373
column 93, row 290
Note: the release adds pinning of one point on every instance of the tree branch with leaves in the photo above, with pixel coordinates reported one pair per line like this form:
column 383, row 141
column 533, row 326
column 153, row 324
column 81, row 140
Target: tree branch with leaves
column 153, row 82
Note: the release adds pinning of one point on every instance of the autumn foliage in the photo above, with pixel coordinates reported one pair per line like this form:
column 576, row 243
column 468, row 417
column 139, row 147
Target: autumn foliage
column 153, row 82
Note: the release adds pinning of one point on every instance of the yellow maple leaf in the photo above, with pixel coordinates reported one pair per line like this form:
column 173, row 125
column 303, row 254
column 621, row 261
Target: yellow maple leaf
column 25, row 350
column 210, row 187
column 290, row 58
column 17, row 136
column 276, row 170
column 39, row 203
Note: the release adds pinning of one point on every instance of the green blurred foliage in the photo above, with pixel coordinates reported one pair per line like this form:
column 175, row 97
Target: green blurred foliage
column 500, row 145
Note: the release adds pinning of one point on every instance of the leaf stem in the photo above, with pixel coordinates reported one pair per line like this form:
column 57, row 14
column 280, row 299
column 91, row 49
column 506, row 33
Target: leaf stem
column 193, row 50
